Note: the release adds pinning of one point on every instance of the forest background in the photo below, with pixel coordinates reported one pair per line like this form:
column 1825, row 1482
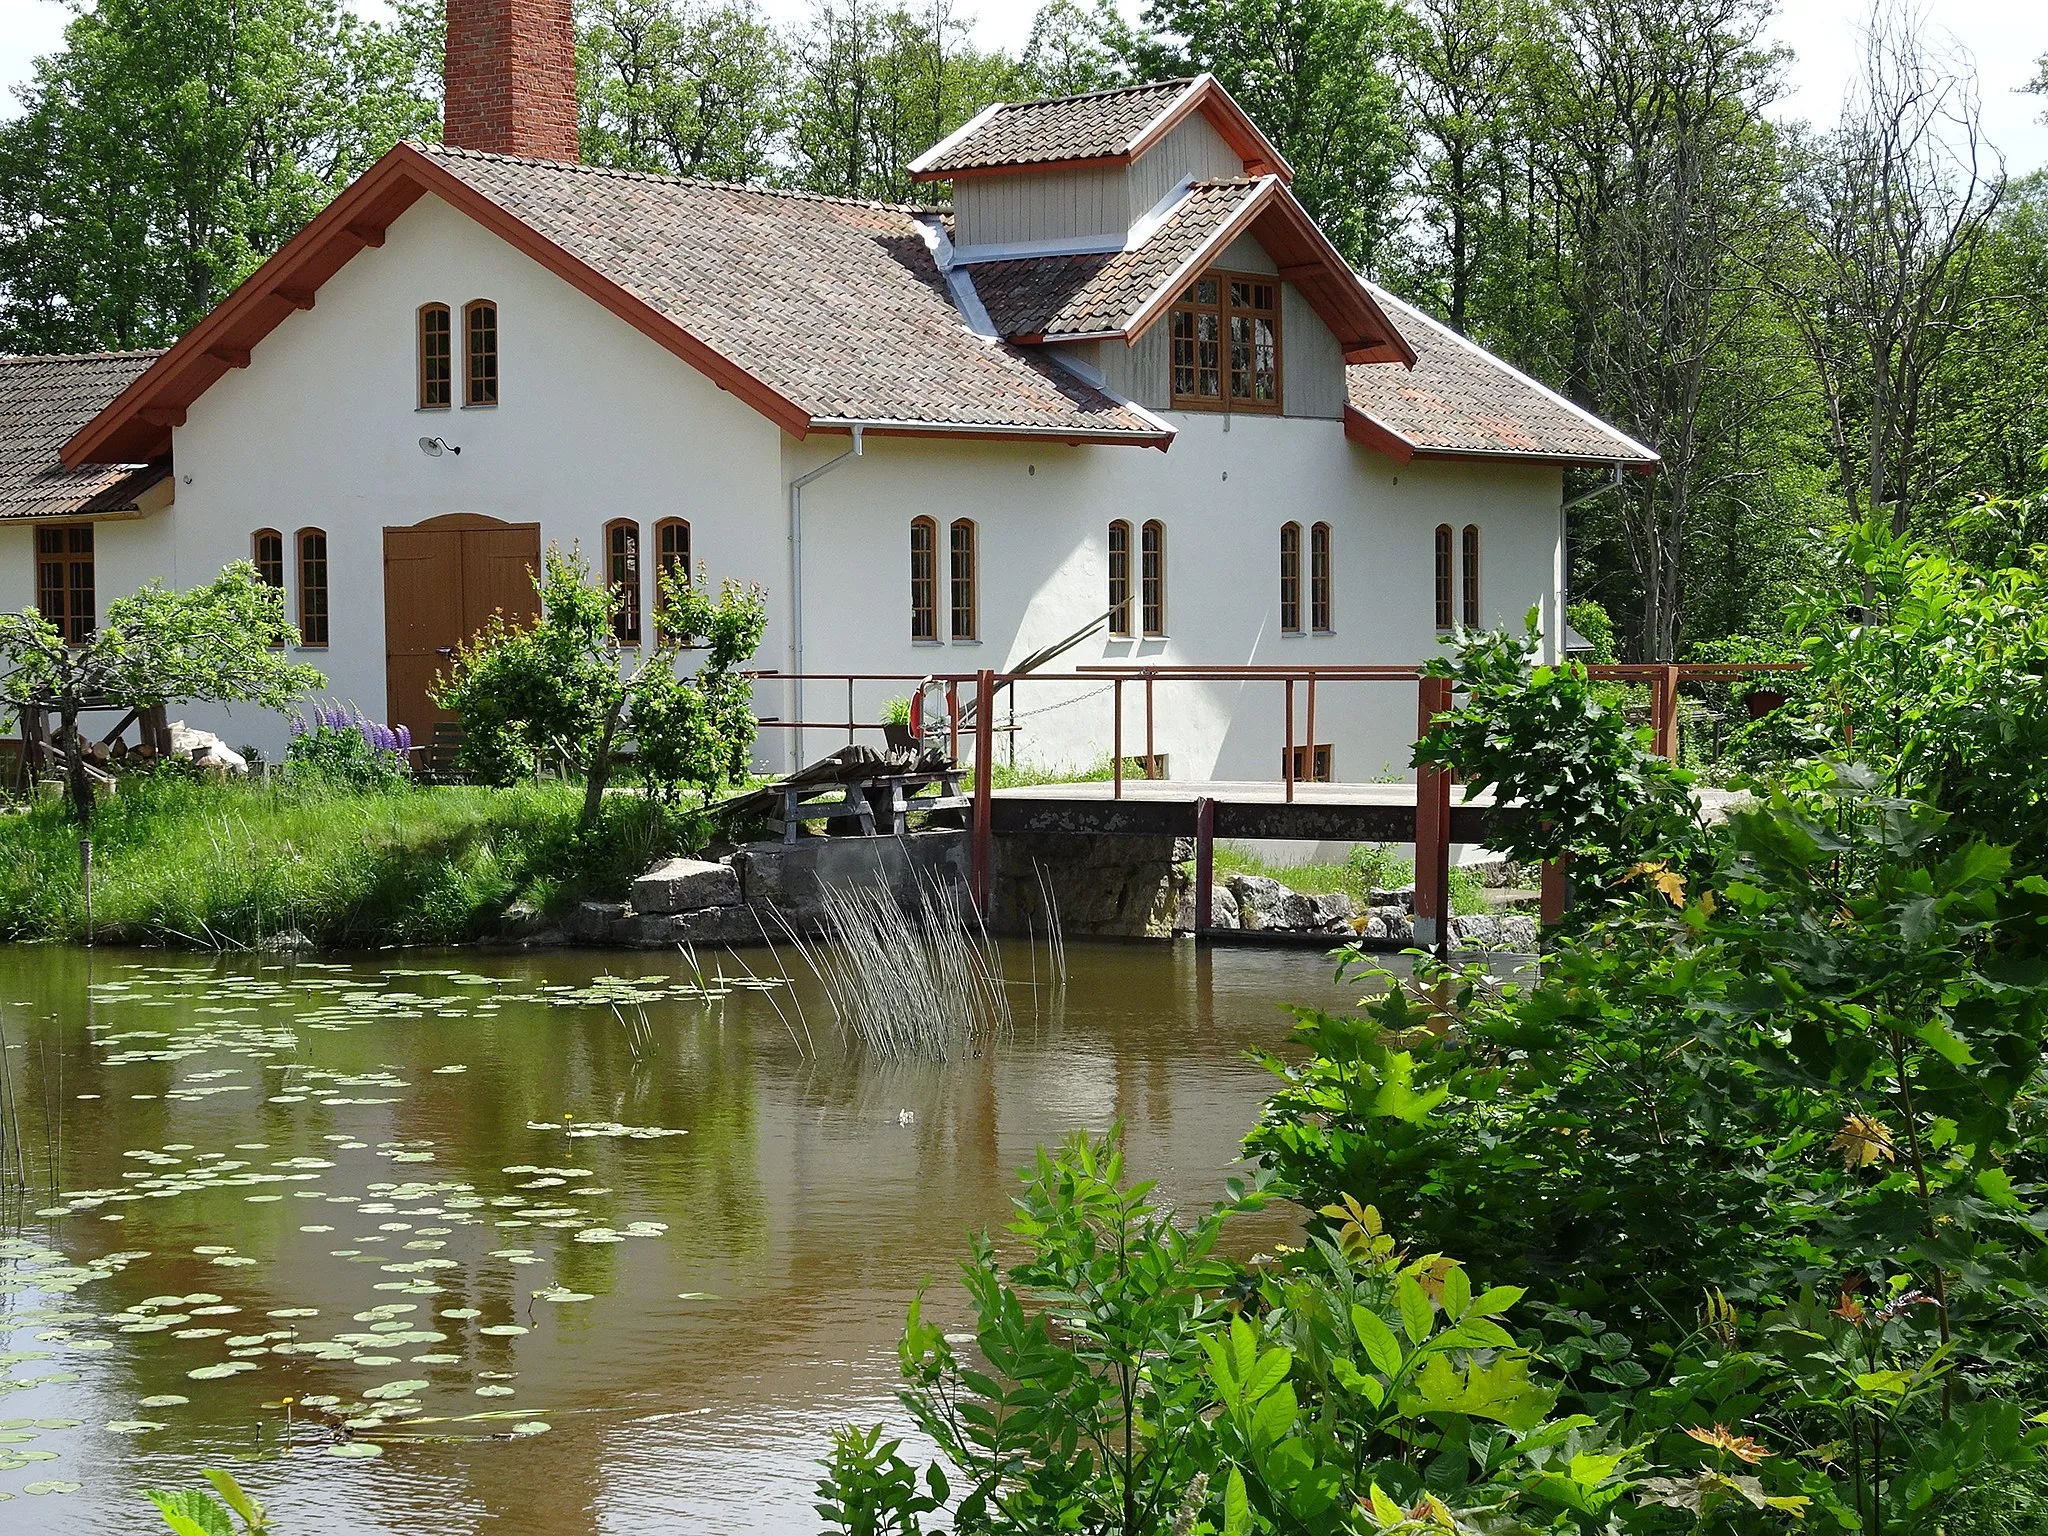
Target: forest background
column 1811, row 326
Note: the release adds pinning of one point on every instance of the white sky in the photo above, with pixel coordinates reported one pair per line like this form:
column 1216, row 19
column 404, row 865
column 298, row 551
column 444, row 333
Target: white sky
column 2002, row 37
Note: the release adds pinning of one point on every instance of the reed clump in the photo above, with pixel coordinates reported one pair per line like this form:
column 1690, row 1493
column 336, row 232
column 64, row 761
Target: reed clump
column 921, row 983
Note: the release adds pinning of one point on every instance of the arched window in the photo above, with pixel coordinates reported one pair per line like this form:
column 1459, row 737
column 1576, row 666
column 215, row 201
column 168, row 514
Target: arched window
column 622, row 572
column 1319, row 579
column 1152, row 577
column 1290, row 578
column 1120, row 579
column 480, row 326
column 266, row 548
column 1444, row 585
column 437, row 359
column 671, row 561
column 924, row 579
column 1471, row 603
column 313, row 605
column 966, row 603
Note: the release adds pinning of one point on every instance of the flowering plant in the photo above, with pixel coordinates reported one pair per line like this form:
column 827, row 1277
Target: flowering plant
column 345, row 747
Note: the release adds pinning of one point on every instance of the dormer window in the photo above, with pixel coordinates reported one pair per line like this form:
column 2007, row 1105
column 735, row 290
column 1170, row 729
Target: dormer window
column 1226, row 343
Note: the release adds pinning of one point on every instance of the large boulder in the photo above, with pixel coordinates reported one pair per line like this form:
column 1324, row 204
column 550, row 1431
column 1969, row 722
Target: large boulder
column 685, row 885
column 1264, row 903
column 1333, row 911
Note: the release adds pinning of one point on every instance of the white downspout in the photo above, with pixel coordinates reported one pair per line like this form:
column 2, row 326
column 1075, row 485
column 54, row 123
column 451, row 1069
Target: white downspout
column 796, row 593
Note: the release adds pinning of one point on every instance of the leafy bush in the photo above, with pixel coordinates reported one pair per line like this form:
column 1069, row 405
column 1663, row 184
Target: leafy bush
column 1597, row 627
column 345, row 749
column 565, row 687
column 1544, row 738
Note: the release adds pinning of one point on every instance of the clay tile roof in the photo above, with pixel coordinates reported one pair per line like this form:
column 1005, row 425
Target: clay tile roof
column 1459, row 399
column 43, row 400
column 1087, row 295
column 1097, row 126
column 836, row 305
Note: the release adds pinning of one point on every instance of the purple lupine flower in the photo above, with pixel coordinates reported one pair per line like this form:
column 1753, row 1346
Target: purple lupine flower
column 404, row 739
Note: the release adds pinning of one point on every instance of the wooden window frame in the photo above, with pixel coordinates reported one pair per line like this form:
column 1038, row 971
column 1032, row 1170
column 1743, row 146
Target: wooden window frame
column 1120, row 580
column 270, row 572
column 1468, row 586
column 1314, row 764
column 1184, row 339
column 431, row 384
column 76, row 603
column 1290, row 578
column 672, row 551
column 1321, row 581
column 963, row 579
column 622, row 576
column 316, row 609
column 479, row 364
column 924, row 583
column 1152, row 578
column 1446, row 587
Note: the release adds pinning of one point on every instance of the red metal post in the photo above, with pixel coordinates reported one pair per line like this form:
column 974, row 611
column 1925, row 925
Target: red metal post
column 1312, row 727
column 984, row 785
column 849, row 710
column 953, row 720
column 1432, row 826
column 1287, row 757
column 1150, row 756
column 1205, row 863
column 1116, row 737
column 1556, row 878
column 1664, row 712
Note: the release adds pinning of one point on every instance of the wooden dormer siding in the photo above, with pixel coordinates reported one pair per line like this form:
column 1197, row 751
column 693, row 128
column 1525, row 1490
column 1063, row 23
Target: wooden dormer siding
column 1081, row 202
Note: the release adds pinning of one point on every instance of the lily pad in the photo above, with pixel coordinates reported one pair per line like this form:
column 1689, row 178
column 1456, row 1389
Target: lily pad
column 356, row 1449
column 394, row 1389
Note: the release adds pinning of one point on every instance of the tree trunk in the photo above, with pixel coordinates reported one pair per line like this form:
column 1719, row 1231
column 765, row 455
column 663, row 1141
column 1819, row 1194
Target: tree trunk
column 600, row 766
column 74, row 765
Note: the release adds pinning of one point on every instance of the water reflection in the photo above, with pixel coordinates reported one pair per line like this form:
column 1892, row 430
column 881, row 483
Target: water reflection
column 343, row 1138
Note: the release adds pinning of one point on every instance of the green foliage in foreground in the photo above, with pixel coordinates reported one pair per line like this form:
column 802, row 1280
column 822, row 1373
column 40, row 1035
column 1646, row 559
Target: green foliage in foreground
column 1125, row 1377
column 194, row 1512
column 183, row 862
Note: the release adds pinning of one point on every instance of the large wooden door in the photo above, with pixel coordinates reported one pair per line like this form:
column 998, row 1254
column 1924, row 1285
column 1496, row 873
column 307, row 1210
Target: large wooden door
column 443, row 579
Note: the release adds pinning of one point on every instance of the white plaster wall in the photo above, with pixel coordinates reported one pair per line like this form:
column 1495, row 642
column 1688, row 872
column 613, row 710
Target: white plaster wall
column 598, row 422
column 1223, row 492
column 595, row 421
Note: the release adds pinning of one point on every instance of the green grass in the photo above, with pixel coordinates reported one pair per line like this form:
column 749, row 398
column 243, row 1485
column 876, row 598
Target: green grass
column 183, row 862
column 1368, row 867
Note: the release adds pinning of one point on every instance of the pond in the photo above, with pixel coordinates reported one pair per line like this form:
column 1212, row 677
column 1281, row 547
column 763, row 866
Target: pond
column 562, row 1270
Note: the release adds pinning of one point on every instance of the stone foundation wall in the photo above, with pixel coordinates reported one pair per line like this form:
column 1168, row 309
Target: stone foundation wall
column 1104, row 887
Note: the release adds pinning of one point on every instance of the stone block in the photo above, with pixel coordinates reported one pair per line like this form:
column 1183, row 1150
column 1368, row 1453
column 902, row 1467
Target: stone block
column 706, row 925
column 1402, row 897
column 1476, row 932
column 1333, row 911
column 1223, row 911
column 1518, row 933
column 686, row 885
column 592, row 921
column 1264, row 903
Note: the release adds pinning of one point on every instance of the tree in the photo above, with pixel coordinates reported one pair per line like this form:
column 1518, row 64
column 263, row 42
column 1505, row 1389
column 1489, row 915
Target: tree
column 223, row 643
column 876, row 86
column 681, row 86
column 1074, row 49
column 173, row 145
column 1462, row 75
column 1896, row 205
column 1316, row 76
column 565, row 684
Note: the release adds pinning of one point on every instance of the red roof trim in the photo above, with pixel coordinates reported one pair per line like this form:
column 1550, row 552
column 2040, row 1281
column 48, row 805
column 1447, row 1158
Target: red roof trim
column 135, row 425
column 1361, row 428
column 1260, row 155
column 1308, row 260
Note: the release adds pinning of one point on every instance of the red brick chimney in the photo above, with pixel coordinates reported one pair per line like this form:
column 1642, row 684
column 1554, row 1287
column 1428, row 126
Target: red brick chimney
column 510, row 78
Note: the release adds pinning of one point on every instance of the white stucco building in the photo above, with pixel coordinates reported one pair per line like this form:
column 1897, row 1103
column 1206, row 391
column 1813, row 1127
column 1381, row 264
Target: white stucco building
column 1123, row 374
